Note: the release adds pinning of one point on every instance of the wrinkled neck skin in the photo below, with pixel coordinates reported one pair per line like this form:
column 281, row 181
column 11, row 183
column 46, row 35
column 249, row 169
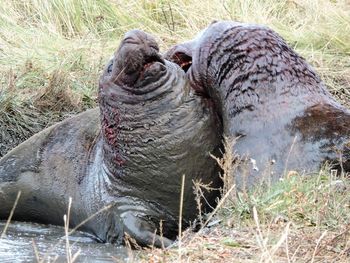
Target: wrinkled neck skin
column 126, row 113
column 250, row 69
column 127, row 118
column 151, row 136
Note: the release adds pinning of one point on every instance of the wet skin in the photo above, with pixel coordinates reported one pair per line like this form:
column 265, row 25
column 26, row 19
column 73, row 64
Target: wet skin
column 267, row 96
column 129, row 154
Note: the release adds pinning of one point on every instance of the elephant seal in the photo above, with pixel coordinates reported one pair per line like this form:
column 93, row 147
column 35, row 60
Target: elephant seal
column 268, row 97
column 130, row 154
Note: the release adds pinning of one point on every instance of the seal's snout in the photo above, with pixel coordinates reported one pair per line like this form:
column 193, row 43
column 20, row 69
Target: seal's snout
column 142, row 46
column 151, row 59
column 137, row 58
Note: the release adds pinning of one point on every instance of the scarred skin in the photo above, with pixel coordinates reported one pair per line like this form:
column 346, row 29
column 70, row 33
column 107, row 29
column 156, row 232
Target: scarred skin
column 130, row 154
column 269, row 97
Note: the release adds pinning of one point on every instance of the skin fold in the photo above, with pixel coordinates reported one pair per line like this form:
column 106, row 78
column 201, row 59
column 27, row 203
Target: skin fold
column 129, row 155
column 269, row 98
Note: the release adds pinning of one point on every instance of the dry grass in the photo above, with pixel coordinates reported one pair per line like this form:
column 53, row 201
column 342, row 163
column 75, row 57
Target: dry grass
column 280, row 242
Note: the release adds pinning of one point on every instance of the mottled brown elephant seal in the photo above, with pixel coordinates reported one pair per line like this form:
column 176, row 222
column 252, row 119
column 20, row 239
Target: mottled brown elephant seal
column 131, row 154
column 267, row 96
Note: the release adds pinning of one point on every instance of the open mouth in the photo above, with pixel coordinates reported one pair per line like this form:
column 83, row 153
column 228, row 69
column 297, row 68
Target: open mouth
column 149, row 61
column 152, row 65
column 183, row 60
column 182, row 56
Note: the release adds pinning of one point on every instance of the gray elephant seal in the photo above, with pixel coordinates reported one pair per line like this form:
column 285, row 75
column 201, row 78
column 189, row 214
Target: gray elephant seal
column 131, row 154
column 269, row 97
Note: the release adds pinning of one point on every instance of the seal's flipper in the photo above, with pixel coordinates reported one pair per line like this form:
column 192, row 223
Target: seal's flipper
column 142, row 230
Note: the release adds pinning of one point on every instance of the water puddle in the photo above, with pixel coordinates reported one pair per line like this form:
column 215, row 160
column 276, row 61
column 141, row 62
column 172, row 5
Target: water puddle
column 22, row 239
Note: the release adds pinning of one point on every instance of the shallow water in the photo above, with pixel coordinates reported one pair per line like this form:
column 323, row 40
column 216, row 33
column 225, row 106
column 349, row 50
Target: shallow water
column 18, row 245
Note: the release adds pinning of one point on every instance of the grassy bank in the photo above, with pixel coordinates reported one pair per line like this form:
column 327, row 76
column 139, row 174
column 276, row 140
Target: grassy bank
column 301, row 218
column 51, row 55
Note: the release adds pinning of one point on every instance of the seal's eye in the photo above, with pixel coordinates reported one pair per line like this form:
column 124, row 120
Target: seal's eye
column 110, row 67
column 131, row 40
column 155, row 47
column 154, row 58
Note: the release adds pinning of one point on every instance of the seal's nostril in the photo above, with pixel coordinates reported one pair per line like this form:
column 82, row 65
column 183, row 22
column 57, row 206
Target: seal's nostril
column 154, row 58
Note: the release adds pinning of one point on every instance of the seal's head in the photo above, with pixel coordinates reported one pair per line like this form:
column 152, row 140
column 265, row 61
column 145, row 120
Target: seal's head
column 194, row 56
column 138, row 61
